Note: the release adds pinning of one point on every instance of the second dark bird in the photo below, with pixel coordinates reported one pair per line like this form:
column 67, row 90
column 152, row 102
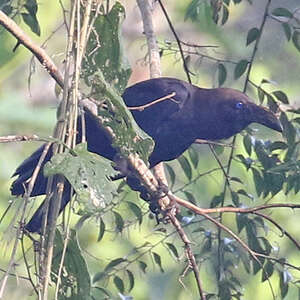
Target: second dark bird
column 174, row 124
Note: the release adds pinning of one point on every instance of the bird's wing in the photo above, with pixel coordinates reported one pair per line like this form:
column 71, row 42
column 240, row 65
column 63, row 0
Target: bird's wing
column 153, row 102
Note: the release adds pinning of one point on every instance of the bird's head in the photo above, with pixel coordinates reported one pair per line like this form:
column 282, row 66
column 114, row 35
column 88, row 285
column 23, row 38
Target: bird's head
column 232, row 111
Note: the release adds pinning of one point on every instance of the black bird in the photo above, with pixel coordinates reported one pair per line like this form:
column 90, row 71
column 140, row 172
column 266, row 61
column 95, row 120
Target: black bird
column 187, row 113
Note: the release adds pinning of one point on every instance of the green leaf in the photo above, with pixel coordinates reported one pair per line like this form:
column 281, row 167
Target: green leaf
column 173, row 249
column 186, row 166
column 136, row 210
column 190, row 197
column 119, row 283
column 235, row 198
column 272, row 103
column 261, row 95
column 192, row 10
column 281, row 96
column 222, row 74
column 282, row 12
column 241, row 221
column 296, row 120
column 278, row 145
column 31, row 7
column 101, row 230
column 262, row 155
column 225, row 15
column 171, row 174
column 32, row 22
column 218, row 199
column 6, row 7
column 267, row 271
column 119, row 221
column 113, row 264
column 289, row 131
column 194, row 156
column 252, row 35
column 130, row 279
column 143, row 266
column 157, row 260
column 74, row 267
column 273, row 182
column 88, row 174
column 105, row 52
column 258, row 181
column 236, row 179
column 244, row 193
column 247, row 144
column 287, row 30
column 296, row 39
column 240, row 68
column 99, row 276
column 283, row 284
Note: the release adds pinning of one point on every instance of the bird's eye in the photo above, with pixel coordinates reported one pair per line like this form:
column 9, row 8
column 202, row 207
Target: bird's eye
column 239, row 105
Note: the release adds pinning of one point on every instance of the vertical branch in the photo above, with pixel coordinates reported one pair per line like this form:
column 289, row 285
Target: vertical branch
column 154, row 58
column 154, row 62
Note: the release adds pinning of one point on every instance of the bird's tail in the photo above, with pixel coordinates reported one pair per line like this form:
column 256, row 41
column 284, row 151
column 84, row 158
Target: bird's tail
column 37, row 220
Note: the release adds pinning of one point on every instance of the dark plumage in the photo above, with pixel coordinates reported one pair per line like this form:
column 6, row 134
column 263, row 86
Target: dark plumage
column 174, row 124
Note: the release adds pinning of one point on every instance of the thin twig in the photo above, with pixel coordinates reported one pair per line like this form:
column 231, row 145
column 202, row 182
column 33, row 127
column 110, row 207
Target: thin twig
column 177, row 40
column 283, row 231
column 191, row 258
column 142, row 107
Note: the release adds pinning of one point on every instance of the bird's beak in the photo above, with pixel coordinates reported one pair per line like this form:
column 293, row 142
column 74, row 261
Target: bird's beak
column 265, row 117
